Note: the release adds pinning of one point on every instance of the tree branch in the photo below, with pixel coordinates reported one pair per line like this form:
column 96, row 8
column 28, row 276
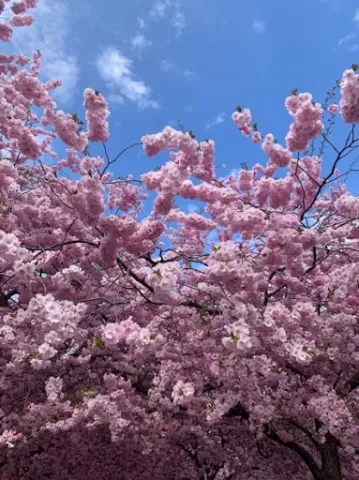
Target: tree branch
column 294, row 447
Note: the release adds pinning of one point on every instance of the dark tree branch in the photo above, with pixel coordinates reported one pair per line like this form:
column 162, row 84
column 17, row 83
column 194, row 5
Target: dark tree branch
column 134, row 275
column 294, row 447
column 237, row 411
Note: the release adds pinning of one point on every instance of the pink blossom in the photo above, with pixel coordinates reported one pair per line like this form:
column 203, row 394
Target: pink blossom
column 242, row 120
column 19, row 7
column 333, row 108
column 182, row 390
column 256, row 137
column 5, row 32
column 53, row 388
column 127, row 331
column 67, row 129
column 46, row 351
column 183, row 344
column 239, row 335
column 307, row 121
column 278, row 155
column 96, row 115
column 31, row 3
column 21, row 20
column 349, row 89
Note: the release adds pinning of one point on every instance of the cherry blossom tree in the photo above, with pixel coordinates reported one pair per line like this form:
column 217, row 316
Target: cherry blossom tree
column 136, row 348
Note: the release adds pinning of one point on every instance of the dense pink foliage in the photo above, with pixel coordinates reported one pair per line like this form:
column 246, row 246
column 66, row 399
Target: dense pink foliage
column 138, row 349
column 96, row 115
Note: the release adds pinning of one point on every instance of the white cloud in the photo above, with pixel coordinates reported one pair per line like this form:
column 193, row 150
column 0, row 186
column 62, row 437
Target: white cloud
column 353, row 48
column 141, row 23
column 116, row 70
column 189, row 74
column 159, row 8
column 188, row 108
column 178, row 23
column 192, row 208
column 168, row 66
column 52, row 39
column 346, row 39
column 348, row 42
column 259, row 26
column 139, row 42
column 217, row 120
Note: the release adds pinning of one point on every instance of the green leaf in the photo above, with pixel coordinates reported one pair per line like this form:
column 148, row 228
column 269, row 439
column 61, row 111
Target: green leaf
column 239, row 109
column 294, row 91
column 98, row 343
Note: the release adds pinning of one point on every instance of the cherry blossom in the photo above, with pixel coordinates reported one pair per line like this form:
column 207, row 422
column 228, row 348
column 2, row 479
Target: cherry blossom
column 163, row 344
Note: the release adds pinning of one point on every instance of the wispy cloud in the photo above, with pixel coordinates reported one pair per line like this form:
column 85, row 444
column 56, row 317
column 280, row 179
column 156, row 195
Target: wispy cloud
column 188, row 108
column 117, row 71
column 178, row 22
column 53, row 41
column 159, row 8
column 217, row 120
column 168, row 66
column 189, row 74
column 192, row 208
column 349, row 42
column 353, row 48
column 346, row 39
column 259, row 26
column 139, row 42
column 141, row 23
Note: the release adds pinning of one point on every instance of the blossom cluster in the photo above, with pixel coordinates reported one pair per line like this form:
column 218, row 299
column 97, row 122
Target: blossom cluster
column 307, row 122
column 349, row 103
column 96, row 115
column 180, row 343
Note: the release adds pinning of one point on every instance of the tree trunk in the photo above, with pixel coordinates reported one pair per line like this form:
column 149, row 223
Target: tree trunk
column 330, row 460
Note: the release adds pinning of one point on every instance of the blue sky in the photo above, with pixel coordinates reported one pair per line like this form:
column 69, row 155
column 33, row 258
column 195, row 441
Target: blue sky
column 160, row 61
